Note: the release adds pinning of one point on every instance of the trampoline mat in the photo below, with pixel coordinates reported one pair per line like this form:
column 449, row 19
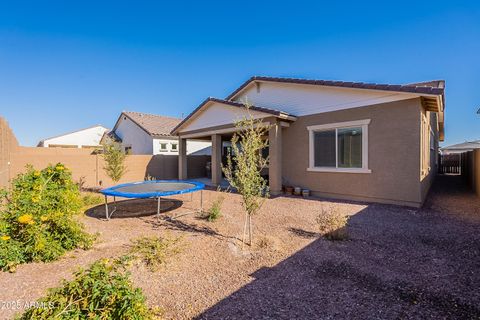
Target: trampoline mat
column 155, row 187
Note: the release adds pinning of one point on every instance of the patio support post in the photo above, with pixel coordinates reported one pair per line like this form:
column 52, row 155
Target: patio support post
column 182, row 158
column 216, row 159
column 275, row 158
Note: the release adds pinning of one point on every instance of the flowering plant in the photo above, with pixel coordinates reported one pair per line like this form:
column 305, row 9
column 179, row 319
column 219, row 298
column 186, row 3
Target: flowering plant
column 37, row 217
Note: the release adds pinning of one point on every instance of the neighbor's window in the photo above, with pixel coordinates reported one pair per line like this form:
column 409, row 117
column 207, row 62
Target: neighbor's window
column 174, row 146
column 339, row 147
column 163, row 146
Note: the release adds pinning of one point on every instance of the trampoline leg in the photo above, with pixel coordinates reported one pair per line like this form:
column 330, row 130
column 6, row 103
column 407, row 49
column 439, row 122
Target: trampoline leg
column 158, row 207
column 106, row 208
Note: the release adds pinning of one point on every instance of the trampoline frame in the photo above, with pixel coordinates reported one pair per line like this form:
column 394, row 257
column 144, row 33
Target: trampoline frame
column 157, row 195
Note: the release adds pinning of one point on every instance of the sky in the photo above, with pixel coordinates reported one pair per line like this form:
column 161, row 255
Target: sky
column 66, row 65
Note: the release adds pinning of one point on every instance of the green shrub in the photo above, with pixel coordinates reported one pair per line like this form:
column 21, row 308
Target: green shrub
column 332, row 225
column 91, row 199
column 215, row 210
column 37, row 219
column 103, row 291
column 155, row 251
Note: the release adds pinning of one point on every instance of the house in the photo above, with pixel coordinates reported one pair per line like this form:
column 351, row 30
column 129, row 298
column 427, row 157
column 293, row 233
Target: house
column 142, row 133
column 345, row 140
column 461, row 147
column 84, row 138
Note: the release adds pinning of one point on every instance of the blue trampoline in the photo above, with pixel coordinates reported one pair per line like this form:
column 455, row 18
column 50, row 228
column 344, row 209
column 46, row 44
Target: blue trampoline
column 151, row 189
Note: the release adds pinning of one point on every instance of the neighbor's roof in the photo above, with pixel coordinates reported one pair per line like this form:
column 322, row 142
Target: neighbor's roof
column 467, row 145
column 435, row 87
column 40, row 143
column 154, row 125
column 273, row 112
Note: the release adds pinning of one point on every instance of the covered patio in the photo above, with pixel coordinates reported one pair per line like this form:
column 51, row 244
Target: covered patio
column 214, row 120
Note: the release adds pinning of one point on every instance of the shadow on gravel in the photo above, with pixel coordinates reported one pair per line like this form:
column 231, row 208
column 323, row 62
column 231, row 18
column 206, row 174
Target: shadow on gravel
column 303, row 233
column 399, row 263
column 172, row 223
column 134, row 208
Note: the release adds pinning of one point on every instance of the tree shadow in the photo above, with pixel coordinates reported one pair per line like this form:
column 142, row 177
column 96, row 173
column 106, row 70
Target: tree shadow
column 303, row 233
column 172, row 223
column 134, row 208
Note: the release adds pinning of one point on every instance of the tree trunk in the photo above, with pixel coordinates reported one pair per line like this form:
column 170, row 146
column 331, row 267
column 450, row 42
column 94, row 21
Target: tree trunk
column 244, row 229
column 250, row 229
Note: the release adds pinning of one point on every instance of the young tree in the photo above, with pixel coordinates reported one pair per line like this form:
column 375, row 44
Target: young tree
column 245, row 164
column 114, row 158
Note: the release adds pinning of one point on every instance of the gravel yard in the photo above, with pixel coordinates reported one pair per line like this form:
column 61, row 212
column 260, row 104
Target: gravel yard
column 398, row 263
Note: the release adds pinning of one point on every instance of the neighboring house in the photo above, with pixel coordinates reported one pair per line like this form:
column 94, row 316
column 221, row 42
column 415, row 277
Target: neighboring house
column 461, row 147
column 142, row 133
column 346, row 140
column 84, row 138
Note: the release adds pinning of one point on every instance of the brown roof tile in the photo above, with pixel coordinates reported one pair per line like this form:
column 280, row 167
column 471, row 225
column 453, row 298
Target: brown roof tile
column 154, row 125
column 435, row 87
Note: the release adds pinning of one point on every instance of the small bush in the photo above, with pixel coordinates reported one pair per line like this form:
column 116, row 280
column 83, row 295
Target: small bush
column 37, row 219
column 103, row 291
column 155, row 251
column 332, row 225
column 215, row 210
column 91, row 199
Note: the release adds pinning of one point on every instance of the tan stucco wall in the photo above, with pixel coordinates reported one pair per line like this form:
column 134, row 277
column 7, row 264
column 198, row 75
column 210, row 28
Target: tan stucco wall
column 426, row 182
column 393, row 155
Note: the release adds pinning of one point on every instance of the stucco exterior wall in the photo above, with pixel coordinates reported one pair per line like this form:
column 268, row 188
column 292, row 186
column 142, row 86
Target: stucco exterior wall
column 393, row 155
column 131, row 135
column 193, row 146
column 431, row 154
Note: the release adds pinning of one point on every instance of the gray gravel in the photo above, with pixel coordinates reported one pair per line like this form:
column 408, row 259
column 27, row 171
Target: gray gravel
column 400, row 263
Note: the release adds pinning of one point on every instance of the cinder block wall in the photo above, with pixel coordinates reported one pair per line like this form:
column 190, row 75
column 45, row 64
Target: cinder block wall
column 8, row 143
column 86, row 165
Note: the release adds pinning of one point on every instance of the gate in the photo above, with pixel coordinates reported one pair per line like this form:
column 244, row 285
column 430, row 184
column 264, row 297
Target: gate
column 450, row 163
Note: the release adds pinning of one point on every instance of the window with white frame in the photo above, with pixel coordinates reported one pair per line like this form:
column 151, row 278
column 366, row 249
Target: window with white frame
column 174, row 147
column 163, row 146
column 339, row 147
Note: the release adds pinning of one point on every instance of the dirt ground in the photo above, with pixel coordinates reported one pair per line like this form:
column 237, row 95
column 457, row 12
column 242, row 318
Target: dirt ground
column 399, row 263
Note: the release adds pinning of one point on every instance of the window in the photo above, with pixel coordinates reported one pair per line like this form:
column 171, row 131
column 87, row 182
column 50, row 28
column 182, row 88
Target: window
column 339, row 147
column 174, row 147
column 163, row 146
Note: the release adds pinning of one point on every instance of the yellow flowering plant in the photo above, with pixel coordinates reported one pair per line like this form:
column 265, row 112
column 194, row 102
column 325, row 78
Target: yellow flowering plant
column 38, row 216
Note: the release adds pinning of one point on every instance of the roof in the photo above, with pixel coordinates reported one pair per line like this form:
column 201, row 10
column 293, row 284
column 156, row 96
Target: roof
column 467, row 145
column 110, row 135
column 435, row 87
column 154, row 125
column 273, row 112
column 40, row 143
column 432, row 92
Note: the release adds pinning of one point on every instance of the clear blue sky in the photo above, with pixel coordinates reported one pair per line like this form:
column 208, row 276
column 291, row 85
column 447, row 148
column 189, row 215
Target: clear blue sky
column 65, row 65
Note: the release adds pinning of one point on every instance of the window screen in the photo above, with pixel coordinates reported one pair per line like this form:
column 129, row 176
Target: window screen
column 324, row 146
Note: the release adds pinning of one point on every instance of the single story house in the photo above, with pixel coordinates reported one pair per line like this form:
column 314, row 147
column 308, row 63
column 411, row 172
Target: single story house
column 84, row 138
column 345, row 140
column 142, row 133
column 461, row 147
